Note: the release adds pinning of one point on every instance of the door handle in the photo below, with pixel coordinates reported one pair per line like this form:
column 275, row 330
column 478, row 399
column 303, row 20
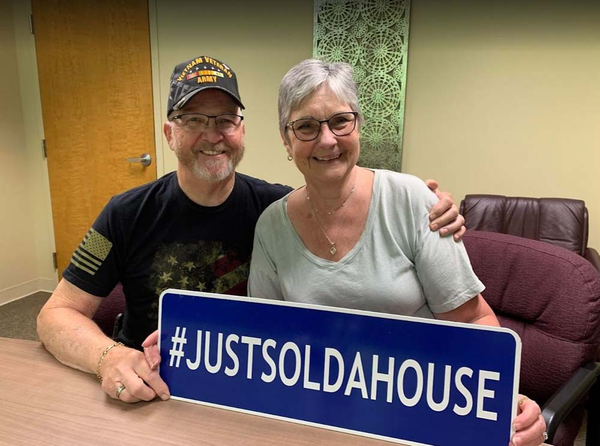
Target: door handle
column 144, row 159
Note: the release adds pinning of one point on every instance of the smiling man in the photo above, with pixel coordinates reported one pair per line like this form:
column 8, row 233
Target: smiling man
column 191, row 229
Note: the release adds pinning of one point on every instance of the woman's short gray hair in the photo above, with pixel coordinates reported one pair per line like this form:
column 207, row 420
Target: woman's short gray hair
column 304, row 78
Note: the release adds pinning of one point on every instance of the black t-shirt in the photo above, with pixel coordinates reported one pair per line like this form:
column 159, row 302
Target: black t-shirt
column 154, row 237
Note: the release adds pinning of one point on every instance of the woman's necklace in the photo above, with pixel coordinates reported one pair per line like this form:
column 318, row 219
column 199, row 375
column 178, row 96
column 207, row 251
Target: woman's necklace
column 332, row 246
column 333, row 210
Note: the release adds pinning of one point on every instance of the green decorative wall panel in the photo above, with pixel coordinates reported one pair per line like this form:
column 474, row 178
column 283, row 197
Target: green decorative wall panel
column 372, row 36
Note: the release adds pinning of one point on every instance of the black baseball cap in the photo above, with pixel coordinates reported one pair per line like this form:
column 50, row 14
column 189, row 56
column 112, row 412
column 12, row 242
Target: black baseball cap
column 200, row 73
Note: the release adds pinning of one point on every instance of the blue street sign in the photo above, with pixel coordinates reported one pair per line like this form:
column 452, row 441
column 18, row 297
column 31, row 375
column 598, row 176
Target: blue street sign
column 409, row 380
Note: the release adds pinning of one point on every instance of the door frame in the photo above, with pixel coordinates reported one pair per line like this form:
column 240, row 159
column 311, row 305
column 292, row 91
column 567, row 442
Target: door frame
column 38, row 178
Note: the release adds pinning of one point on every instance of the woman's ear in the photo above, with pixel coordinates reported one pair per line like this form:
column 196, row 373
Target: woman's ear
column 286, row 143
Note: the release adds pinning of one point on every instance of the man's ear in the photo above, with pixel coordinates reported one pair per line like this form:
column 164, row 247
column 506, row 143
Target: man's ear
column 168, row 131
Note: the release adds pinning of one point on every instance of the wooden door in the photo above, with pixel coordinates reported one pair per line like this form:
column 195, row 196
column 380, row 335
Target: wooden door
column 96, row 92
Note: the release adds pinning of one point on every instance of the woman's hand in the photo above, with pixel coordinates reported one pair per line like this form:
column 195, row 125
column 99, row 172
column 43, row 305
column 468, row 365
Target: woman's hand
column 530, row 427
column 444, row 215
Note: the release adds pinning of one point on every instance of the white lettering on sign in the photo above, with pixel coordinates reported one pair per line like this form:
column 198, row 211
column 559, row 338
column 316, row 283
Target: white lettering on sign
column 483, row 393
column 327, row 386
column 414, row 400
column 403, row 382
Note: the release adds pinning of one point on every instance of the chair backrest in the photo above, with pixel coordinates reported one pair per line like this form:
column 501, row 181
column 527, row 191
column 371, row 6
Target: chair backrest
column 111, row 306
column 560, row 221
column 549, row 296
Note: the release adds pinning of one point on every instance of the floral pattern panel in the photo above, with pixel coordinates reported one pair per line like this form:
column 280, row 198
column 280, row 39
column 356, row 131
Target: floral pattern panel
column 372, row 36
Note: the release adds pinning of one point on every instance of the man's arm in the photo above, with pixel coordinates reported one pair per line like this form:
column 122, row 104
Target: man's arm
column 66, row 328
column 444, row 215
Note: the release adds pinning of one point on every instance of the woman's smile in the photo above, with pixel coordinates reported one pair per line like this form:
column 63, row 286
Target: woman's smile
column 327, row 158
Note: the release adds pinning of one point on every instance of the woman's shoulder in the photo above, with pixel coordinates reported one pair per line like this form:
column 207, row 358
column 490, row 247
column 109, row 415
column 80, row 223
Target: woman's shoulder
column 402, row 195
column 402, row 181
column 273, row 213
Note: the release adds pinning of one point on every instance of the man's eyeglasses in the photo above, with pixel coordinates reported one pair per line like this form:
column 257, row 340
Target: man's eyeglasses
column 196, row 122
column 340, row 124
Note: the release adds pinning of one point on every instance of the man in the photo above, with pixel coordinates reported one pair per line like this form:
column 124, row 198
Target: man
column 191, row 229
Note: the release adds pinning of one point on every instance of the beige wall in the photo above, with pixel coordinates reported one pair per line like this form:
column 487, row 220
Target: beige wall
column 25, row 234
column 260, row 40
column 500, row 99
column 504, row 98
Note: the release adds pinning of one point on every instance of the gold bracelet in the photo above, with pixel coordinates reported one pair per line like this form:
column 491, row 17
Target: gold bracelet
column 104, row 353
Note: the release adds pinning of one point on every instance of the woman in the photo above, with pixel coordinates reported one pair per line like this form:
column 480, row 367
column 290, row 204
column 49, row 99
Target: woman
column 342, row 240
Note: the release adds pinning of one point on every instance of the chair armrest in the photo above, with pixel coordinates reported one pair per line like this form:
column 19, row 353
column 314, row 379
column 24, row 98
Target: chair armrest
column 593, row 257
column 118, row 325
column 568, row 396
column 593, row 412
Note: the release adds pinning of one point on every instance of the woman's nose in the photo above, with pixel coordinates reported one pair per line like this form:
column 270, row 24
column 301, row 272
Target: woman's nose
column 327, row 137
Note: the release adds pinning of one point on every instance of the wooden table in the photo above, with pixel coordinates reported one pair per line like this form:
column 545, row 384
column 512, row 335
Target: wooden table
column 45, row 402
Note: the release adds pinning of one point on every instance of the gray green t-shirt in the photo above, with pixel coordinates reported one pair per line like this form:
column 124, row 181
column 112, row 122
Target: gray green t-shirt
column 398, row 265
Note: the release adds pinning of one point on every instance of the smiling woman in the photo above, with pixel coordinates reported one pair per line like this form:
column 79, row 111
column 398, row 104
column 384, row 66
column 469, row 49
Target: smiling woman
column 354, row 237
column 326, row 155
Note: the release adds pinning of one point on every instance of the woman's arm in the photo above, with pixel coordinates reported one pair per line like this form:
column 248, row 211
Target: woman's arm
column 529, row 424
column 474, row 311
column 263, row 280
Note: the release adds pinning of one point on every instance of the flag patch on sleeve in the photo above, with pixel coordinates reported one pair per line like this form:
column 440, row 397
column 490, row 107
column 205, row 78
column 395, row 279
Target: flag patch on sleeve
column 91, row 252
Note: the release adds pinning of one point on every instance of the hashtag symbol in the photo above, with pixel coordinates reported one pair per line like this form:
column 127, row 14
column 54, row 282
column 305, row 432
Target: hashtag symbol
column 177, row 347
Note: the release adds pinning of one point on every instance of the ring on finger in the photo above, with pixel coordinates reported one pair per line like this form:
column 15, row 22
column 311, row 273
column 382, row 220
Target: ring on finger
column 545, row 435
column 120, row 390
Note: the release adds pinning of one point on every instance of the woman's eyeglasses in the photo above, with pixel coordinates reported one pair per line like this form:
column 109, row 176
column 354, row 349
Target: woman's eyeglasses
column 340, row 124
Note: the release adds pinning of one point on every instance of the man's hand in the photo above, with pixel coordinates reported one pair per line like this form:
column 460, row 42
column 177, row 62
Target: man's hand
column 127, row 367
column 151, row 352
column 444, row 215
column 66, row 328
column 530, row 427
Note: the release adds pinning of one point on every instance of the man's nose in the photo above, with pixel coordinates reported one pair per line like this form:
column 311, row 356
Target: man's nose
column 211, row 133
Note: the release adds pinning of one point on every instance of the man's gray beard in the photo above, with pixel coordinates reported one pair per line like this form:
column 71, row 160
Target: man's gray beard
column 200, row 172
column 212, row 177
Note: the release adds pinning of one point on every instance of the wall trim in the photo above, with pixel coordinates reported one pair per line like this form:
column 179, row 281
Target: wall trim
column 25, row 289
column 37, row 174
column 159, row 140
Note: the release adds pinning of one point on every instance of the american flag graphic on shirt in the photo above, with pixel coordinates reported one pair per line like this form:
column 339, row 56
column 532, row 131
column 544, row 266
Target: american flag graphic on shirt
column 202, row 266
column 91, row 252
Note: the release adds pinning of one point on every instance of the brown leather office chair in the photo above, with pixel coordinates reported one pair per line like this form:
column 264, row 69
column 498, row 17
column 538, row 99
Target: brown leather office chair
column 560, row 221
column 551, row 298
